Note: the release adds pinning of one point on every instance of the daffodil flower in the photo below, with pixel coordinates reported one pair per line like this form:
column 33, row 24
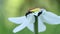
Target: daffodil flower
column 28, row 20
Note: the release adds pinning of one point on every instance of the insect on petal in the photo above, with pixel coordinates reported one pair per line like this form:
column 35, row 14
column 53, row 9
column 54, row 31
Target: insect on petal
column 17, row 20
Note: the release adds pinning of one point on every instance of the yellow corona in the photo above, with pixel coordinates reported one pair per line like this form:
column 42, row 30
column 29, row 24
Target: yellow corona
column 35, row 10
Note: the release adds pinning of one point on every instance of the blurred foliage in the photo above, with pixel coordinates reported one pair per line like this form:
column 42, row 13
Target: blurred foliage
column 16, row 8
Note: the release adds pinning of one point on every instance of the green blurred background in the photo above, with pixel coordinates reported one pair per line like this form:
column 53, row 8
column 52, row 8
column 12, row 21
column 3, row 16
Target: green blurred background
column 17, row 8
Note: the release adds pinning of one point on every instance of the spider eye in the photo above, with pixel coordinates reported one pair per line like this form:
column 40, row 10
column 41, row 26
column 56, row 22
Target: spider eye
column 28, row 13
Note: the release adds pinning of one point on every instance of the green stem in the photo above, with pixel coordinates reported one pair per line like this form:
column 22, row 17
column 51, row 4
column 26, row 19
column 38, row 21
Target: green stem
column 36, row 25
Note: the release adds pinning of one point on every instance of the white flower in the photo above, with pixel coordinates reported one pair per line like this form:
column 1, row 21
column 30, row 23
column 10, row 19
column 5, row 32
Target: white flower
column 28, row 21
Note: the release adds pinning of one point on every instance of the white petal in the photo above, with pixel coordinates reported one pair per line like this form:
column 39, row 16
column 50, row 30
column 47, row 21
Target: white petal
column 59, row 16
column 31, row 18
column 31, row 27
column 22, row 26
column 41, row 26
column 51, row 18
column 17, row 20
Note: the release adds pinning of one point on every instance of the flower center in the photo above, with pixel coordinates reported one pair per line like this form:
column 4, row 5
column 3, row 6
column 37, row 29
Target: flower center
column 35, row 10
